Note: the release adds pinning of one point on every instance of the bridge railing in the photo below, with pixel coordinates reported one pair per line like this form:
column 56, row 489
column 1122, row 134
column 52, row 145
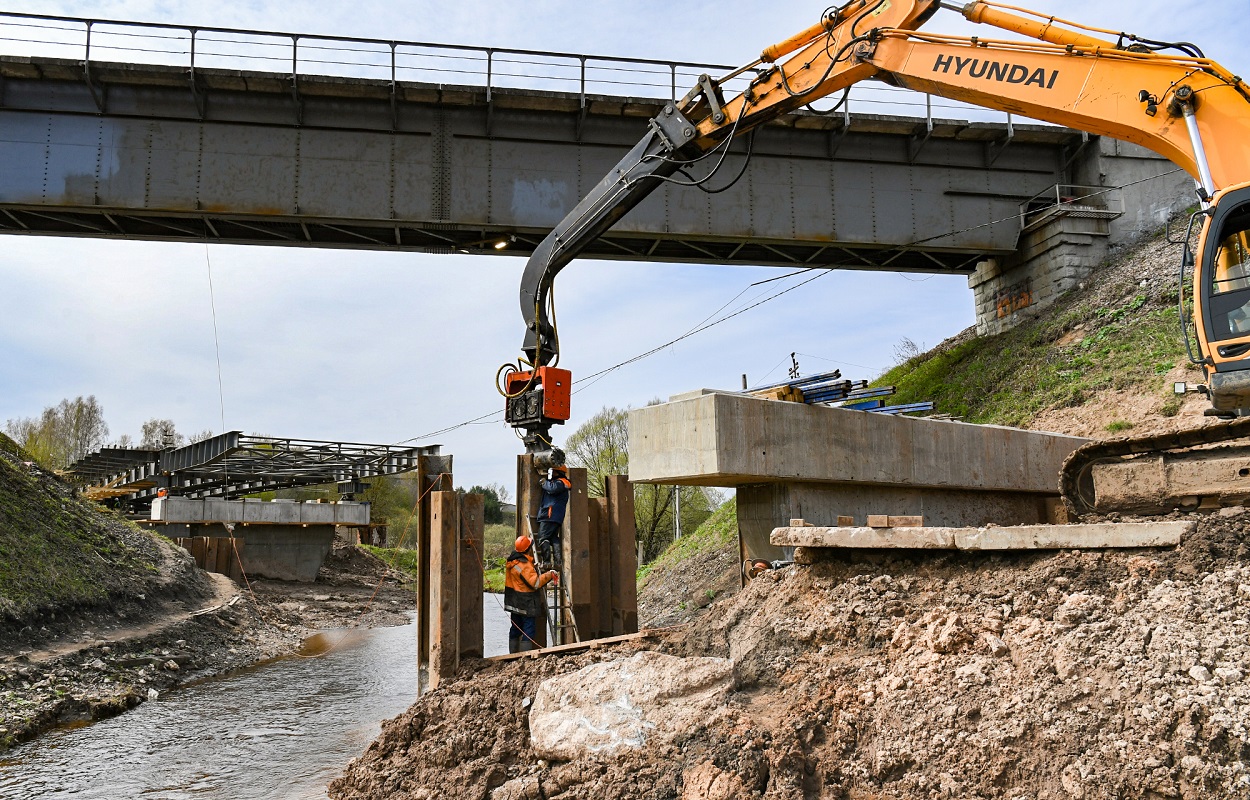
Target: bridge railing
column 299, row 54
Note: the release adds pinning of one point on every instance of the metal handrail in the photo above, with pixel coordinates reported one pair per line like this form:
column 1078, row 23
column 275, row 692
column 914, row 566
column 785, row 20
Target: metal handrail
column 1070, row 195
column 585, row 70
column 583, row 62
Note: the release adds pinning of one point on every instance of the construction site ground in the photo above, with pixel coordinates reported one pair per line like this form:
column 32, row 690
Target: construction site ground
column 903, row 674
column 906, row 674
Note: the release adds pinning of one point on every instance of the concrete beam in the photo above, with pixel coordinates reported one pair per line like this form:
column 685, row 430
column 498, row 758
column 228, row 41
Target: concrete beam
column 1019, row 537
column 726, row 439
column 186, row 510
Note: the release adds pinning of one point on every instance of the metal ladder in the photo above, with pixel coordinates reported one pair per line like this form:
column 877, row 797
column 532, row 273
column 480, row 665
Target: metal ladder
column 557, row 604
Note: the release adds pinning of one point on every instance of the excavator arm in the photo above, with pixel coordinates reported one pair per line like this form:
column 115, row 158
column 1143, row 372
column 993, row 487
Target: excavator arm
column 1185, row 107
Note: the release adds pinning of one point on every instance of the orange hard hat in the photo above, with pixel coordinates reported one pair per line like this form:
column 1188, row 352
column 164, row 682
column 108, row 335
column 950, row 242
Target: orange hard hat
column 523, row 543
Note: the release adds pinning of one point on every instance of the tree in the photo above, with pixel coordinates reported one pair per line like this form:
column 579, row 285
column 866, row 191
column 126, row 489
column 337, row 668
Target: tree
column 62, row 434
column 160, row 434
column 495, row 496
column 203, row 435
column 601, row 446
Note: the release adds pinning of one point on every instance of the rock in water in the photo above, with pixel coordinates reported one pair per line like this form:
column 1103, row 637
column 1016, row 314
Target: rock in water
column 648, row 699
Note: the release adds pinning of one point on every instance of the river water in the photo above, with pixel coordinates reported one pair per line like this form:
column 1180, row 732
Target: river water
column 279, row 730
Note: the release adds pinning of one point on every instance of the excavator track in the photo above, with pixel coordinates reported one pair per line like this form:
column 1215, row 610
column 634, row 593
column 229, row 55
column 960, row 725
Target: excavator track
column 1156, row 474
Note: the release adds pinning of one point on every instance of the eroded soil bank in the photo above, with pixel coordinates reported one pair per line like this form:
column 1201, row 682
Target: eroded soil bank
column 900, row 675
column 99, row 662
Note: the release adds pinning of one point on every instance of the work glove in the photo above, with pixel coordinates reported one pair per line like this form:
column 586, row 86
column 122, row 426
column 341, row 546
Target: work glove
column 551, row 474
column 554, row 576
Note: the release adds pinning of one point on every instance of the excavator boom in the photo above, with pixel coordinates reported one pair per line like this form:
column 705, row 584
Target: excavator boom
column 1167, row 97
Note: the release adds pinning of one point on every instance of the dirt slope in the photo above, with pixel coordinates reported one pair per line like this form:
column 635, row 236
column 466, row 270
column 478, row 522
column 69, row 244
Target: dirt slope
column 61, row 556
column 1070, row 675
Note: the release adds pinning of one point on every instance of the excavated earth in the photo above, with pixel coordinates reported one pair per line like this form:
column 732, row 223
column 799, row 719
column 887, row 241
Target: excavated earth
column 903, row 674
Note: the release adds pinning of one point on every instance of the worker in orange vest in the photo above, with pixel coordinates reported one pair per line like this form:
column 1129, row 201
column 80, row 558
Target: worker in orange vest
column 522, row 596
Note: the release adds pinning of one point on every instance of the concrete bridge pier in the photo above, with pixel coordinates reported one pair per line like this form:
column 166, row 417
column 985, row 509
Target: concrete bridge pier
column 1071, row 229
column 285, row 540
column 820, row 464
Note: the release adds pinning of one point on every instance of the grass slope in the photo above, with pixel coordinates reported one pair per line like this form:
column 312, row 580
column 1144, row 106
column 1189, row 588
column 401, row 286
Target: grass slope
column 717, row 531
column 58, row 553
column 1113, row 334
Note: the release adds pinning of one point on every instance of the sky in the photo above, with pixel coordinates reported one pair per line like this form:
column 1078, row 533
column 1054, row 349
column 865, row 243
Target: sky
column 387, row 347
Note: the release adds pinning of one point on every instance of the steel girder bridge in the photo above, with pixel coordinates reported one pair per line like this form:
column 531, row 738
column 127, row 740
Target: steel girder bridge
column 140, row 131
column 235, row 465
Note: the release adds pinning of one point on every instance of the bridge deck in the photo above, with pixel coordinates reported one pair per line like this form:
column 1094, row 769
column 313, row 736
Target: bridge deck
column 153, row 152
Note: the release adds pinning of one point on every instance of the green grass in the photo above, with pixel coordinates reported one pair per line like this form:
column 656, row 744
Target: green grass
column 716, row 531
column 1010, row 378
column 1119, row 425
column 57, row 552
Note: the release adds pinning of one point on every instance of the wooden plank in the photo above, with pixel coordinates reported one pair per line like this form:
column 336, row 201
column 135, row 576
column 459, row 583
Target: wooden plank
column 624, row 555
column 905, row 522
column 600, row 570
column 528, row 497
column 236, row 568
column 199, row 550
column 578, row 647
column 846, row 522
column 878, row 521
column 225, row 555
column 472, row 531
column 444, row 552
column 211, row 553
column 576, row 545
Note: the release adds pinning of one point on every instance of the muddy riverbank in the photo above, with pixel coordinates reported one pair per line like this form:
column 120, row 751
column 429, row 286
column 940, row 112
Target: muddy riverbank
column 101, row 662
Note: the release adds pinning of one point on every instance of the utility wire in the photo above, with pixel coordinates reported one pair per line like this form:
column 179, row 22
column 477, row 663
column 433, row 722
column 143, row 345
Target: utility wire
column 212, row 300
column 821, row 271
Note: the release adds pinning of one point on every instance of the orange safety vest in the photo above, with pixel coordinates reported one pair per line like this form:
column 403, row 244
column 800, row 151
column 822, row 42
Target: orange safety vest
column 522, row 576
column 521, row 585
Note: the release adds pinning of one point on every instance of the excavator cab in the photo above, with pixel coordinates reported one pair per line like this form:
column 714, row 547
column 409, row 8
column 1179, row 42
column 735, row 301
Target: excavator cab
column 1223, row 311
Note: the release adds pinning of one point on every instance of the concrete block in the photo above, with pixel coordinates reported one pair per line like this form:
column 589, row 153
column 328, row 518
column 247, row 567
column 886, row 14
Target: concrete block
column 866, row 538
column 352, row 513
column 317, row 513
column 1018, row 537
column 177, row 510
column 277, row 512
column 223, row 510
column 732, row 439
column 1082, row 537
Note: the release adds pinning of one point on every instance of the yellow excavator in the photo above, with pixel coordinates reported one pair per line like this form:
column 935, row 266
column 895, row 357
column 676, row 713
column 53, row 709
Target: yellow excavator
column 1166, row 96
